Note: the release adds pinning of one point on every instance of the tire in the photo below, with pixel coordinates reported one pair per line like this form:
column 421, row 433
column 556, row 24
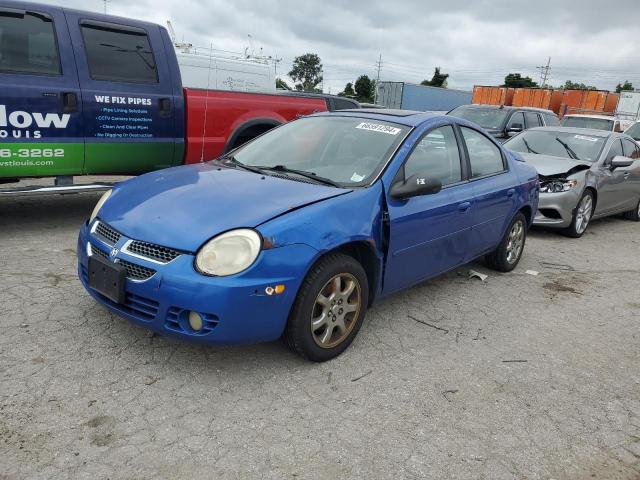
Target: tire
column 634, row 214
column 581, row 216
column 507, row 255
column 319, row 328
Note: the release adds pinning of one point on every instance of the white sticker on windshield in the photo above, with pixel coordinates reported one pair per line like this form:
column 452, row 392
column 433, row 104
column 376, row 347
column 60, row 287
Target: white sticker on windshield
column 588, row 139
column 356, row 178
column 376, row 127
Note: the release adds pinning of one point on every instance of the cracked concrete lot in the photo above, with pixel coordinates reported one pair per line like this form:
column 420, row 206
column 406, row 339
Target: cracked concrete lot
column 519, row 377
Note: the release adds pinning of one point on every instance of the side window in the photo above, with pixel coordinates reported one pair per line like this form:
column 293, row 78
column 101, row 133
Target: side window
column 517, row 117
column 630, row 149
column 28, row 44
column 614, row 150
column 533, row 119
column 118, row 54
column 484, row 156
column 436, row 156
column 551, row 120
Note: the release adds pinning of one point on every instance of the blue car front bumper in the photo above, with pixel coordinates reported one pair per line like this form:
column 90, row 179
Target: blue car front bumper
column 234, row 309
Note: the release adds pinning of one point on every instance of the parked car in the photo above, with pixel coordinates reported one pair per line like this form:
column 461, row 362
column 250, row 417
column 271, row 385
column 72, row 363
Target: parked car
column 634, row 131
column 597, row 122
column 88, row 94
column 584, row 174
column 298, row 231
column 505, row 122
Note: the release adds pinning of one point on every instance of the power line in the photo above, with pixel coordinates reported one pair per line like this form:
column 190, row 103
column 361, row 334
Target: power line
column 544, row 72
column 375, row 93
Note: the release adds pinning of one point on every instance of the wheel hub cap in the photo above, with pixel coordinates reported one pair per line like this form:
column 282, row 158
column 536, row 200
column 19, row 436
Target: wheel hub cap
column 583, row 214
column 516, row 241
column 336, row 310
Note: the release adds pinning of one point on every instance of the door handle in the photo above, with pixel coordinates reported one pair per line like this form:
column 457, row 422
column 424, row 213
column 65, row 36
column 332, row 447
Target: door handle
column 69, row 102
column 165, row 107
column 464, row 206
column 626, row 175
column 511, row 192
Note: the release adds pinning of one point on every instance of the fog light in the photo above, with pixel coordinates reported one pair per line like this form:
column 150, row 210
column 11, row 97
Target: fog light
column 195, row 321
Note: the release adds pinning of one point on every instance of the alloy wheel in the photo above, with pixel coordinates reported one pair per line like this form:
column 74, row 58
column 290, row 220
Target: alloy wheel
column 516, row 241
column 336, row 310
column 583, row 214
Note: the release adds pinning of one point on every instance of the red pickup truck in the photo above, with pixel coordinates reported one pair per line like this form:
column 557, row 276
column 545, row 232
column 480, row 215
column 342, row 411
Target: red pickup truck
column 89, row 94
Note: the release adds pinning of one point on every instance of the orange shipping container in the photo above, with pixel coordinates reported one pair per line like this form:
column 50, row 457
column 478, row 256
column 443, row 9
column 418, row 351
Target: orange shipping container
column 492, row 95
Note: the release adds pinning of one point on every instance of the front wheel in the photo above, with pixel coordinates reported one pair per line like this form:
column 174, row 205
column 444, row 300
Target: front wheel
column 633, row 214
column 329, row 309
column 507, row 255
column 581, row 216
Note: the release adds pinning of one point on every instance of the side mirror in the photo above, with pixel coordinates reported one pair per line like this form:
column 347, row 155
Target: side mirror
column 620, row 161
column 514, row 128
column 415, row 186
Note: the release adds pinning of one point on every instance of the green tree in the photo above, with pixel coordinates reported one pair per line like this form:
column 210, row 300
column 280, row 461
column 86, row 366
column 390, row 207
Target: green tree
column 621, row 87
column 438, row 80
column 282, row 85
column 307, row 71
column 569, row 85
column 516, row 80
column 364, row 88
column 348, row 91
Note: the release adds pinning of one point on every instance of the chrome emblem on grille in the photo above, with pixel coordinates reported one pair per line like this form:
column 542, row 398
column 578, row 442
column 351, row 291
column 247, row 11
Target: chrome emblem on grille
column 114, row 252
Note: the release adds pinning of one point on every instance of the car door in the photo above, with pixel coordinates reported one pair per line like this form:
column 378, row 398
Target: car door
column 493, row 191
column 429, row 234
column 612, row 185
column 40, row 114
column 632, row 183
column 127, row 94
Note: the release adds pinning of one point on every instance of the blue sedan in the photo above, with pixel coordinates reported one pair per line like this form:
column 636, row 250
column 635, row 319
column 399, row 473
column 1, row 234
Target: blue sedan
column 296, row 233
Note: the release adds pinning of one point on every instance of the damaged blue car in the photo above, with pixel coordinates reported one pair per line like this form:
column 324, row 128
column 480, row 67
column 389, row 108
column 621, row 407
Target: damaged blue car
column 297, row 232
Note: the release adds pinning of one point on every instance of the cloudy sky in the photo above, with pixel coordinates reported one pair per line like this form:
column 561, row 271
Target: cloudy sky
column 475, row 42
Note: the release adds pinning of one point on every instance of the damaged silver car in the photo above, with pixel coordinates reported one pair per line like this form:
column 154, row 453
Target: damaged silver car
column 584, row 174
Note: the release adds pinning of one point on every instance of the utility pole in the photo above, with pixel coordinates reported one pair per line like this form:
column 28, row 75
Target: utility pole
column 375, row 93
column 544, row 72
column 105, row 6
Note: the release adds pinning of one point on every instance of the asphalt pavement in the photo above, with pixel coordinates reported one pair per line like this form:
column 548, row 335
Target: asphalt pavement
column 518, row 377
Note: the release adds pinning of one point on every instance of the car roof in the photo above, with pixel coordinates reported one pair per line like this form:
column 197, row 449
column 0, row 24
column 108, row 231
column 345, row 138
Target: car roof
column 583, row 115
column 409, row 118
column 508, row 108
column 592, row 132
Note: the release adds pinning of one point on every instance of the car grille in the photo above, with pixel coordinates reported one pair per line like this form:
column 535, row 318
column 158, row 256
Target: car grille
column 154, row 252
column 134, row 272
column 107, row 234
column 140, row 307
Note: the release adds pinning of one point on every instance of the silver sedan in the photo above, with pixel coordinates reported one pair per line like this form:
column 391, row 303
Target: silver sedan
column 584, row 174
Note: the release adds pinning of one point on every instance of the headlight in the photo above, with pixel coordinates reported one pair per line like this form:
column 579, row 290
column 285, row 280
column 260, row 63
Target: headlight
column 229, row 253
column 99, row 205
column 557, row 186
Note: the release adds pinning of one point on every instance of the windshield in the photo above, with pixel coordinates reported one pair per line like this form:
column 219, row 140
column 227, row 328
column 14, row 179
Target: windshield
column 558, row 144
column 347, row 150
column 588, row 122
column 489, row 118
column 634, row 131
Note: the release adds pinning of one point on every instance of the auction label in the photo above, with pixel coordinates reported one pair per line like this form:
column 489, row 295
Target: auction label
column 376, row 127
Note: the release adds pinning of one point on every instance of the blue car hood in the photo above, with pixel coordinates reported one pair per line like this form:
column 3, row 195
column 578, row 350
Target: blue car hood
column 183, row 207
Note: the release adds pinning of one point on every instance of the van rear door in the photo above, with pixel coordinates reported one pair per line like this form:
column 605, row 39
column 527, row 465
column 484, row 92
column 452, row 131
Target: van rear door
column 127, row 94
column 41, row 131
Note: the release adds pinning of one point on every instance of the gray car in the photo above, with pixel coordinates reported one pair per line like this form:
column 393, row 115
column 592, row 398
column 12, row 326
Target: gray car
column 584, row 174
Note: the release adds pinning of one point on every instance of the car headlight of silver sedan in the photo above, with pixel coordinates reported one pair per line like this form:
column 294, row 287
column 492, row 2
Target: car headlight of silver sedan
column 229, row 253
column 557, row 186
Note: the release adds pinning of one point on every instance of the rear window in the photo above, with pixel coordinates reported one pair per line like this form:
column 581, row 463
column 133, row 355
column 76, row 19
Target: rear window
column 489, row 118
column 551, row 120
column 588, row 122
column 28, row 43
column 634, row 131
column 119, row 54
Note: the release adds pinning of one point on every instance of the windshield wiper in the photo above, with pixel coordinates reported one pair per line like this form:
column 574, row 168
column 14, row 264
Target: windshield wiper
column 531, row 150
column 569, row 150
column 302, row 173
column 238, row 163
